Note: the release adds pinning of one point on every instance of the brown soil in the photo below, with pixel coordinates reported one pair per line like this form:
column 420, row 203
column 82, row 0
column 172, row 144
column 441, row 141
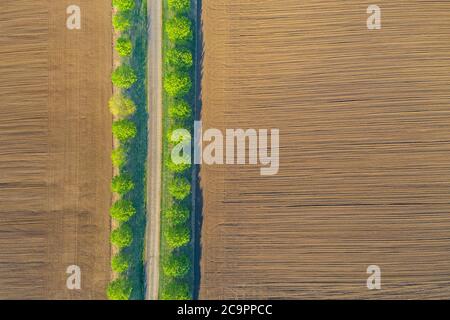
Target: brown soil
column 55, row 144
column 365, row 149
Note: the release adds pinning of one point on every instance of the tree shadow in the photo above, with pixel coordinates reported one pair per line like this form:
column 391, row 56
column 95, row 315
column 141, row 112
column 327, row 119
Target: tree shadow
column 137, row 149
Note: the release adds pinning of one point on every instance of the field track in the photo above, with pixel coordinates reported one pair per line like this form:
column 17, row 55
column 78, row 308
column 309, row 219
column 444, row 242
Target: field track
column 55, row 144
column 364, row 120
column 153, row 234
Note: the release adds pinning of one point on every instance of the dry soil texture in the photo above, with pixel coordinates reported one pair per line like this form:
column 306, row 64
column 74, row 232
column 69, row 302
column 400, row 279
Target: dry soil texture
column 364, row 122
column 55, row 142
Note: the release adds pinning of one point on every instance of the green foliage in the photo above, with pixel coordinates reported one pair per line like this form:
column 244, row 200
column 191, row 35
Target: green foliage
column 177, row 84
column 175, row 290
column 181, row 59
column 180, row 110
column 179, row 5
column 122, row 236
column 179, row 188
column 124, row 130
column 124, row 46
column 120, row 262
column 182, row 138
column 177, row 236
column 119, row 289
column 176, row 265
column 121, row 106
column 123, row 5
column 122, row 184
column 177, row 214
column 121, row 21
column 179, row 29
column 123, row 77
column 118, row 157
column 177, row 134
column 177, row 167
column 122, row 210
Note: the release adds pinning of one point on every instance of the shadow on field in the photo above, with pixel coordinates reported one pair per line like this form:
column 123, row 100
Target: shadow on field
column 197, row 214
column 137, row 149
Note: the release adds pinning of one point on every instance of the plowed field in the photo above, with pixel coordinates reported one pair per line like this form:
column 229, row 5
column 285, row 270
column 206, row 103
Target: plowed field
column 364, row 174
column 55, row 144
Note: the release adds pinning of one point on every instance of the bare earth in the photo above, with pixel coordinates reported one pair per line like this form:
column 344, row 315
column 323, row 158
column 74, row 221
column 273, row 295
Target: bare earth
column 55, row 144
column 154, row 156
column 365, row 149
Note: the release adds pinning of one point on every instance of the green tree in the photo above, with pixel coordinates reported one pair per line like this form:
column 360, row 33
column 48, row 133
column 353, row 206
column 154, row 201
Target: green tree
column 176, row 265
column 180, row 110
column 177, row 167
column 124, row 130
column 122, row 210
column 177, row 214
column 179, row 188
column 179, row 5
column 177, row 134
column 124, row 46
column 122, row 184
column 118, row 157
column 123, row 77
column 179, row 29
column 177, row 84
column 123, row 5
column 122, row 236
column 120, row 262
column 119, row 289
column 177, row 236
column 175, row 290
column 122, row 21
column 121, row 106
column 181, row 59
column 182, row 139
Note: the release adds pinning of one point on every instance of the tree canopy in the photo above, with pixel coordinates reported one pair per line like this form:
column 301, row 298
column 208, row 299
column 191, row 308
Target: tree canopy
column 177, row 214
column 179, row 58
column 122, row 184
column 124, row 46
column 175, row 290
column 124, row 130
column 118, row 157
column 122, row 236
column 179, row 188
column 122, row 210
column 177, row 167
column 177, row 134
column 123, row 5
column 180, row 109
column 177, row 236
column 119, row 289
column 121, row 106
column 120, row 262
column 177, row 84
column 179, row 29
column 123, row 77
column 176, row 265
column 179, row 5
column 121, row 21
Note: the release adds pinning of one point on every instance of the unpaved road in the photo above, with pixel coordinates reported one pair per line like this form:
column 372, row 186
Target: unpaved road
column 55, row 145
column 155, row 149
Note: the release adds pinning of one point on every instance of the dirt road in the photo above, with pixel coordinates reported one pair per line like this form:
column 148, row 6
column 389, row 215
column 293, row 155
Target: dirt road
column 55, row 144
column 155, row 149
